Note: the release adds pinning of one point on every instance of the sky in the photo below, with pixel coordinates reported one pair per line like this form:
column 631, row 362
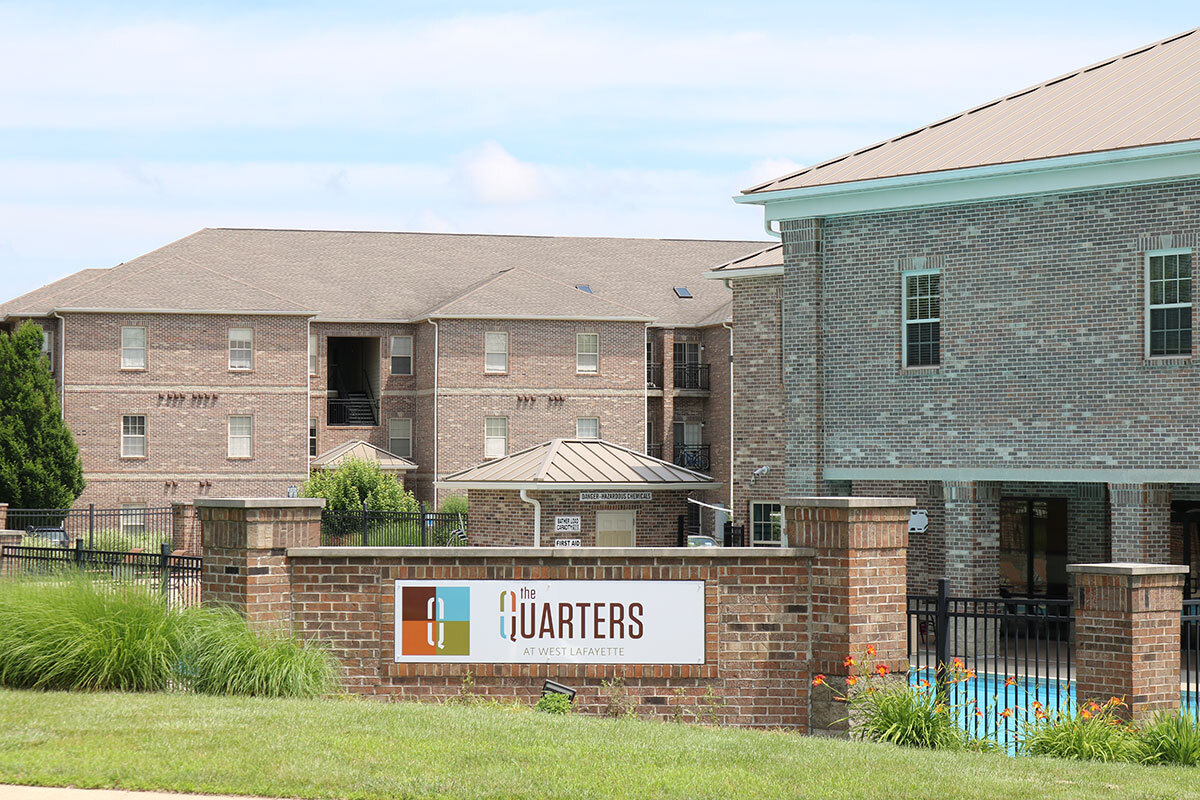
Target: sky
column 127, row 125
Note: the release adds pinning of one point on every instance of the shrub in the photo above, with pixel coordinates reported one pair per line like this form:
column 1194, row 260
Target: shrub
column 554, row 703
column 72, row 634
column 1170, row 739
column 1094, row 732
column 454, row 504
column 356, row 480
column 221, row 654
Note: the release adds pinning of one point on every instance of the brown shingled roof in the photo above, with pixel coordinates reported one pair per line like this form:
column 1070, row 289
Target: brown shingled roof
column 1147, row 96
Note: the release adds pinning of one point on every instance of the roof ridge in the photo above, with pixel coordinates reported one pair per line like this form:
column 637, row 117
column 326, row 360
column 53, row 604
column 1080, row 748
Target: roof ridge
column 464, row 234
column 495, row 276
column 1004, row 98
column 591, row 295
column 551, row 452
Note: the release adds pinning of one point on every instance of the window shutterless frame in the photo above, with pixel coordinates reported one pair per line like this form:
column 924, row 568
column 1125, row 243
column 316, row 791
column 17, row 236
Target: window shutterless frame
column 241, row 349
column 401, row 349
column 921, row 318
column 587, row 353
column 495, row 437
column 1168, row 303
column 133, row 347
column 312, row 354
column 400, row 436
column 495, row 352
column 133, row 436
column 587, row 428
column 241, row 436
column 766, row 528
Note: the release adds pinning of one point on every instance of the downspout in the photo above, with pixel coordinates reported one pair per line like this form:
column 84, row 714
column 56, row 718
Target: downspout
column 645, row 389
column 729, row 327
column 62, row 367
column 767, row 227
column 537, row 517
column 436, row 333
column 308, row 394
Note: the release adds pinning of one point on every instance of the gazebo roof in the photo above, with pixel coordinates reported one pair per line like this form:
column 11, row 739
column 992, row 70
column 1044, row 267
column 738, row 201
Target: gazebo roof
column 365, row 451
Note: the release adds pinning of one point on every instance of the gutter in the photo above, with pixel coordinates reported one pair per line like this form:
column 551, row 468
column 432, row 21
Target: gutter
column 537, row 517
column 730, row 328
column 436, row 332
column 62, row 367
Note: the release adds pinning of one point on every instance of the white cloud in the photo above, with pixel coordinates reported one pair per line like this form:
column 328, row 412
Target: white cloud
column 496, row 177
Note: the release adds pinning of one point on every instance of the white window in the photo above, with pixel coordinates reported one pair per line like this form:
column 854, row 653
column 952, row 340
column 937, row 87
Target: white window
column 400, row 437
column 766, row 525
column 1169, row 303
column 688, row 434
column 922, row 332
column 133, row 348
column 495, row 437
column 587, row 428
column 312, row 436
column 312, row 354
column 241, row 348
column 495, row 351
column 133, row 436
column 587, row 352
column 48, row 347
column 133, row 519
column 241, row 436
column 402, row 355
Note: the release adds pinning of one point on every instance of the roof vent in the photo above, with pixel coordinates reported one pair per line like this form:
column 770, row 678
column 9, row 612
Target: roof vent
column 583, row 287
column 682, row 291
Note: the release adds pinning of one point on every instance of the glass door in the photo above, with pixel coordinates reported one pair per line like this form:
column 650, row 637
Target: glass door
column 1033, row 547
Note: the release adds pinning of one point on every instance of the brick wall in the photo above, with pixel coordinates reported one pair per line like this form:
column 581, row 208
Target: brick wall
column 503, row 519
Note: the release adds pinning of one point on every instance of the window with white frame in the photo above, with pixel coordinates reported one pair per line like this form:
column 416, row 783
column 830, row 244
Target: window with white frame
column 587, row 428
column 133, row 347
column 312, row 354
column 495, row 351
column 400, row 436
column 495, row 437
column 766, row 525
column 241, row 348
column 922, row 304
column 133, row 436
column 241, row 436
column 402, row 349
column 587, row 352
column 1169, row 303
column 133, row 519
column 312, row 436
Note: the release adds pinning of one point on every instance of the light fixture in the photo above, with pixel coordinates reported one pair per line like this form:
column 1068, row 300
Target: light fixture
column 554, row 687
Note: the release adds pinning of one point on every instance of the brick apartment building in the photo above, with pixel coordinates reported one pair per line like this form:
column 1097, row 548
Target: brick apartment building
column 224, row 363
column 992, row 314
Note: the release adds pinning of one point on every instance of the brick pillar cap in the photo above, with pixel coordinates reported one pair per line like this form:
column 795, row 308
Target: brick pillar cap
column 259, row 502
column 1128, row 568
column 849, row 502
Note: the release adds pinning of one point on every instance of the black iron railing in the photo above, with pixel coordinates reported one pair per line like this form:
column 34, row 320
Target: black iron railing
column 1189, row 641
column 113, row 529
column 176, row 577
column 693, row 456
column 371, row 528
column 654, row 376
column 691, row 376
column 360, row 412
column 654, row 450
column 994, row 661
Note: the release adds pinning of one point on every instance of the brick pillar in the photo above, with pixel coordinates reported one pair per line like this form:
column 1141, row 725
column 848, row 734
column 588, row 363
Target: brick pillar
column 3, row 516
column 972, row 536
column 13, row 539
column 1127, row 635
column 858, row 587
column 668, row 399
column 244, row 542
column 1140, row 514
column 185, row 528
column 800, row 330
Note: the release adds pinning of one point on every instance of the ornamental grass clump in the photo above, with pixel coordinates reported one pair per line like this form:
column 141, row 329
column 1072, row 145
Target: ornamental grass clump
column 1093, row 732
column 223, row 655
column 66, row 633
column 1170, row 739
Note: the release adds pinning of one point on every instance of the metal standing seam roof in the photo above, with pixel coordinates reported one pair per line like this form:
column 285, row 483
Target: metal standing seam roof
column 767, row 257
column 1147, row 96
column 579, row 462
column 366, row 451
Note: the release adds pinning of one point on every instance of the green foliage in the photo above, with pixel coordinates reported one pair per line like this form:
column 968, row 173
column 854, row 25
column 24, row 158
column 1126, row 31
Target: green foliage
column 345, row 488
column 221, row 654
column 1170, row 739
column 897, row 713
column 454, row 504
column 1093, row 732
column 80, row 635
column 39, row 462
column 554, row 703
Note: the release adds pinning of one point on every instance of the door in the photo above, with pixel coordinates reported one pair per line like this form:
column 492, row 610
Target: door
column 1185, row 544
column 614, row 528
column 1033, row 547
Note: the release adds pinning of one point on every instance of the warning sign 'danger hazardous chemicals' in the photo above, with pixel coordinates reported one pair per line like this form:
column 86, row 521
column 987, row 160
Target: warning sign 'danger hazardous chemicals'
column 550, row 622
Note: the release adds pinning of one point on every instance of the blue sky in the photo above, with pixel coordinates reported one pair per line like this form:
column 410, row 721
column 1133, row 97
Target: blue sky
column 125, row 125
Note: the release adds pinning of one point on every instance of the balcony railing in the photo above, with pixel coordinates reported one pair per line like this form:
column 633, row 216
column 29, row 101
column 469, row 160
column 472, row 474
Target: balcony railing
column 691, row 376
column 693, row 456
column 654, row 450
column 654, row 376
column 361, row 412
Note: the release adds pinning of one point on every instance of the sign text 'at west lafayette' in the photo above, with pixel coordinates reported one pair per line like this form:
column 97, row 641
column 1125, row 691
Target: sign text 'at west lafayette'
column 550, row 622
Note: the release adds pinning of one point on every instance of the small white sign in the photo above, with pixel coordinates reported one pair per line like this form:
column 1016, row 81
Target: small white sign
column 568, row 524
column 918, row 520
column 599, row 497
column 568, row 543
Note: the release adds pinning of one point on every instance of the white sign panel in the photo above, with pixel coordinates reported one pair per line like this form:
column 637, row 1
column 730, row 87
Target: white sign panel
column 599, row 497
column 568, row 543
column 918, row 520
column 550, row 622
column 568, row 524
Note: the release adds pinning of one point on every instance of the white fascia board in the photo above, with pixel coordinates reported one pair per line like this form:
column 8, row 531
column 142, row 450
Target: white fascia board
column 745, row 272
column 540, row 486
column 204, row 311
column 1150, row 164
column 1033, row 474
column 541, row 317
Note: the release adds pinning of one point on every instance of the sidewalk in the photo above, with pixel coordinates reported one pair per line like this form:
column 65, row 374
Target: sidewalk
column 58, row 793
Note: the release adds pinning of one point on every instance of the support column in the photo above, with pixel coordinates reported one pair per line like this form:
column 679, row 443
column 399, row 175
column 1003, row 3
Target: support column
column 858, row 588
column 185, row 529
column 972, row 537
column 1140, row 514
column 802, row 354
column 3, row 516
column 668, row 398
column 1127, row 635
column 244, row 542
column 8, row 566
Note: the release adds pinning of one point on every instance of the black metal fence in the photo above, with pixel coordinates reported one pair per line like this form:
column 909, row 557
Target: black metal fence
column 693, row 456
column 691, row 376
column 371, row 528
column 176, row 577
column 1189, row 669
column 109, row 529
column 996, row 661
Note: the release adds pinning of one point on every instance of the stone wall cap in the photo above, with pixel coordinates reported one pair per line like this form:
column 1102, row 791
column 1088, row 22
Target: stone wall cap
column 551, row 552
column 259, row 502
column 1128, row 568
column 850, row 502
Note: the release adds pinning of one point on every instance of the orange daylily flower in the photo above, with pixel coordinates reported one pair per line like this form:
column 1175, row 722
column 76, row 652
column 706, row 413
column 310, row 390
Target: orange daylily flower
column 851, row 680
column 882, row 669
column 871, row 650
column 819, row 680
column 1010, row 681
column 1085, row 714
column 849, row 662
column 1006, row 713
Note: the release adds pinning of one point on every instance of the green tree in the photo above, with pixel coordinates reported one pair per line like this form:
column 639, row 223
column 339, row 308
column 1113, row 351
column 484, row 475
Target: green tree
column 39, row 461
column 345, row 488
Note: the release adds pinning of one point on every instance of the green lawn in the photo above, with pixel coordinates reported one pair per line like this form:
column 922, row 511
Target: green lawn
column 361, row 749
